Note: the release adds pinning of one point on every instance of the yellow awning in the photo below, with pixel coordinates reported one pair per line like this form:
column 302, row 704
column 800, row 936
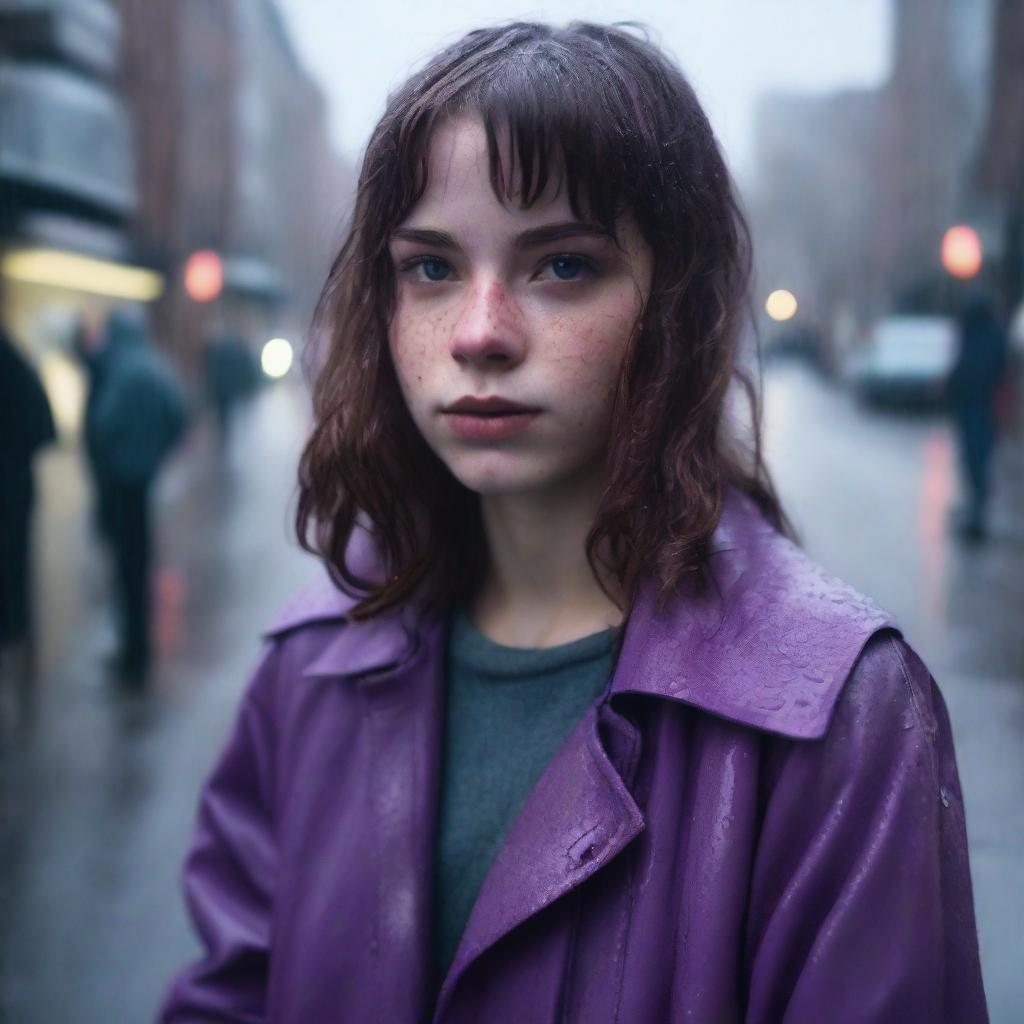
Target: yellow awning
column 61, row 269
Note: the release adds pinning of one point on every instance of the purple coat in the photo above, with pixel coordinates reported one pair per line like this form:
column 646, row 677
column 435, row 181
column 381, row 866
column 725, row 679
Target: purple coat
column 759, row 821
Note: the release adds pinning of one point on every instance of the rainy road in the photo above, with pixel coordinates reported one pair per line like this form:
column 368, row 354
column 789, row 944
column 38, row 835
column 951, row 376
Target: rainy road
column 97, row 797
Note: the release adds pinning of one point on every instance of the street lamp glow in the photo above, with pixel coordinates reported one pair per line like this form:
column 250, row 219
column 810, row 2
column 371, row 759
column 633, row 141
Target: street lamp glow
column 781, row 305
column 961, row 252
column 276, row 358
column 204, row 275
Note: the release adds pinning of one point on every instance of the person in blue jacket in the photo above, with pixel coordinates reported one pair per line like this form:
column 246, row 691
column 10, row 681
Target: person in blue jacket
column 136, row 415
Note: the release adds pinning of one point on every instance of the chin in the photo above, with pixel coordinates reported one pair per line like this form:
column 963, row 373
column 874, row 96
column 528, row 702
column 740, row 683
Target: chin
column 493, row 473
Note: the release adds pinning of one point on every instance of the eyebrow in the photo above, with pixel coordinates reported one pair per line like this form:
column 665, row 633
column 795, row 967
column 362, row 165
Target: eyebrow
column 525, row 240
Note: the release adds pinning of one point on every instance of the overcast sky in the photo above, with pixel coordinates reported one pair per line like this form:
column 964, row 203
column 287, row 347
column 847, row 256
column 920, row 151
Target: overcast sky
column 731, row 49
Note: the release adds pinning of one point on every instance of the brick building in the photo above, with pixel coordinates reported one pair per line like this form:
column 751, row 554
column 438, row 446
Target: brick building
column 234, row 157
column 856, row 189
column 1001, row 156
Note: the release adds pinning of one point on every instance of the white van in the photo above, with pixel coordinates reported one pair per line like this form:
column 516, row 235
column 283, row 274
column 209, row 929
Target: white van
column 906, row 361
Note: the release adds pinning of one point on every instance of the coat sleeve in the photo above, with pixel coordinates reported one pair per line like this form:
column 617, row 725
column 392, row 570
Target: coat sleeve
column 229, row 875
column 861, row 906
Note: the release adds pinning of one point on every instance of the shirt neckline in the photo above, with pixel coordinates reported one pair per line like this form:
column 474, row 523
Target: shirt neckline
column 471, row 649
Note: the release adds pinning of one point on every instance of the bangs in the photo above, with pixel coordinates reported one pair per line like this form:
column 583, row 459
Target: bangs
column 542, row 133
column 554, row 118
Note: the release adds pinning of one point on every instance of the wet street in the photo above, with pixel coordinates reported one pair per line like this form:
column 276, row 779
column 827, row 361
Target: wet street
column 98, row 788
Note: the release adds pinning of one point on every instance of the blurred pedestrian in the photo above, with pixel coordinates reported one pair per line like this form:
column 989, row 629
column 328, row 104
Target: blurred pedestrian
column 978, row 372
column 26, row 426
column 135, row 416
column 574, row 731
column 89, row 345
column 231, row 378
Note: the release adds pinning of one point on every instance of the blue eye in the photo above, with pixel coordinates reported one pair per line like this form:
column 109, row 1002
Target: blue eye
column 567, row 267
column 434, row 269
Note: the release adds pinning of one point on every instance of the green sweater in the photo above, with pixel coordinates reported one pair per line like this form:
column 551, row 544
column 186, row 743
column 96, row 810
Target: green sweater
column 507, row 711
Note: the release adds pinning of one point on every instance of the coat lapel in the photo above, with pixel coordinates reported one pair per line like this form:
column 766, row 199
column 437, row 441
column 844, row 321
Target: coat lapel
column 578, row 816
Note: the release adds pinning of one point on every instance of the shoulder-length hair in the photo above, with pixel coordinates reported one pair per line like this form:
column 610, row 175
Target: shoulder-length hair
column 617, row 124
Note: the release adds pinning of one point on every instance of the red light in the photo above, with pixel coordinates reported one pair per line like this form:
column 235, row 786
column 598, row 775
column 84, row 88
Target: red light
column 204, row 275
column 961, row 252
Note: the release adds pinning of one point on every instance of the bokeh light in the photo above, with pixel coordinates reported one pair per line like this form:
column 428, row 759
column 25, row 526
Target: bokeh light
column 961, row 252
column 204, row 275
column 77, row 272
column 276, row 358
column 781, row 305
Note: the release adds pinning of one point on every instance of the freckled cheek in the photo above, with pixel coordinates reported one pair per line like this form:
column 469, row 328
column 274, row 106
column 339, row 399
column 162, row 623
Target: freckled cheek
column 595, row 343
column 586, row 356
column 417, row 345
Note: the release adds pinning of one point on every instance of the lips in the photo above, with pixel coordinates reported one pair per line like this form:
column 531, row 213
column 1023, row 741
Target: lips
column 486, row 420
column 490, row 406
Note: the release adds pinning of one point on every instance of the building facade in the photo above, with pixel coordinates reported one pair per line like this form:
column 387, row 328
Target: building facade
column 856, row 189
column 67, row 184
column 232, row 137
column 134, row 133
column 1001, row 156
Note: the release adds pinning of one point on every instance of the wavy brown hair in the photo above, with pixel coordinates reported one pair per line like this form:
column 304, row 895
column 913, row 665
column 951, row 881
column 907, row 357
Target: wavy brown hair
column 617, row 124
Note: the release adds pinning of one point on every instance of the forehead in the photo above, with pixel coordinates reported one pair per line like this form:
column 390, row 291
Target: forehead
column 459, row 179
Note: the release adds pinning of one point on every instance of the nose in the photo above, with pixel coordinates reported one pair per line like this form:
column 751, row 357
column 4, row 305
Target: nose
column 488, row 333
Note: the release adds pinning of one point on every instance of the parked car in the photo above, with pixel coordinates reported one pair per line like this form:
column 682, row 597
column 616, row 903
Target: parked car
column 906, row 361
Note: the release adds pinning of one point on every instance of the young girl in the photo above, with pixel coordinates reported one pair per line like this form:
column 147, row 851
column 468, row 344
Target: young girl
column 575, row 733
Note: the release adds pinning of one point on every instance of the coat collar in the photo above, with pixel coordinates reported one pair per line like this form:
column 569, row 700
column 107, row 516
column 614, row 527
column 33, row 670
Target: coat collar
column 769, row 644
column 357, row 649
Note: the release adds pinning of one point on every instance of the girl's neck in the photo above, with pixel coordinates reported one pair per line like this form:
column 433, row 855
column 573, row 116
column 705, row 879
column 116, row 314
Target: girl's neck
column 540, row 590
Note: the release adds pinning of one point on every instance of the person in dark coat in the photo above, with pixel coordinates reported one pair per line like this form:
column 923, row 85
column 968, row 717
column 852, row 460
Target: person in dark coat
column 89, row 345
column 135, row 416
column 977, row 373
column 26, row 426
column 231, row 378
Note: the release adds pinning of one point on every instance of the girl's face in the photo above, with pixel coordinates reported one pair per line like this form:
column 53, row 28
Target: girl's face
column 530, row 310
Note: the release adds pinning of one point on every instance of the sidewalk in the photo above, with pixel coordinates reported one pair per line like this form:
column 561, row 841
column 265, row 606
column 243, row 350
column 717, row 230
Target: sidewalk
column 984, row 691
column 99, row 796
